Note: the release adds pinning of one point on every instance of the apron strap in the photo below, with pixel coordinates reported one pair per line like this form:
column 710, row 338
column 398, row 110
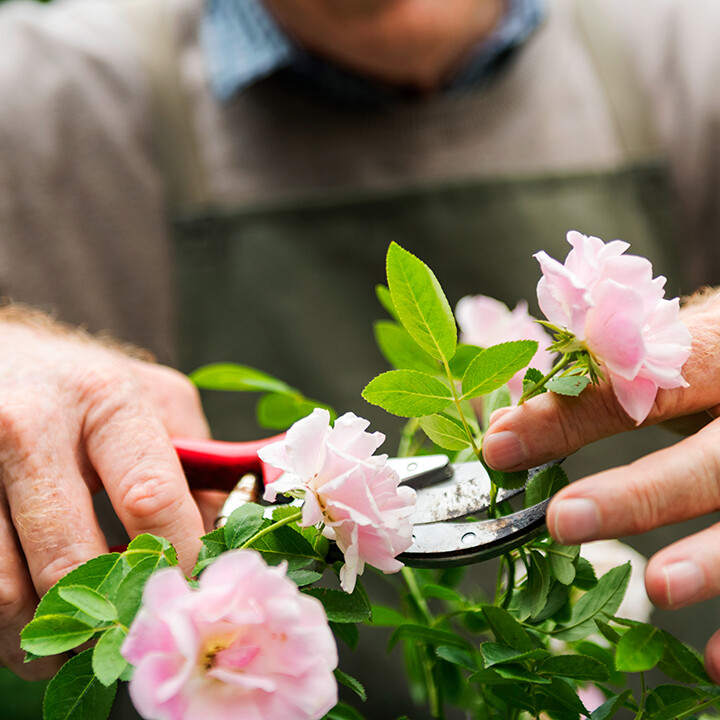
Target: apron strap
column 618, row 74
column 175, row 142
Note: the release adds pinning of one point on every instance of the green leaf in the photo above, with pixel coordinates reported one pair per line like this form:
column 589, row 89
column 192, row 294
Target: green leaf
column 343, row 712
column 445, row 432
column 681, row 662
column 151, row 546
column 237, row 378
column 667, row 702
column 490, row 677
column 531, row 378
column 347, row 632
column 464, row 355
column 129, row 594
column 90, row 601
column 408, row 393
column 544, row 484
column 520, row 674
column 563, row 697
column 278, row 411
column 562, row 560
column 442, row 592
column 557, row 606
column 103, row 574
column 284, row 543
column 429, row 636
column 349, row 681
column 506, row 628
column 384, row 298
column 494, row 366
column 342, row 607
column 498, row 654
column 601, row 602
column 304, row 577
column 54, row 634
column 514, row 695
column 107, row 662
column 506, row 480
column 457, row 656
column 383, row 616
column 611, row 706
column 585, row 578
column 401, row 351
column 571, row 385
column 496, row 400
column 76, row 694
column 421, row 303
column 243, row 523
column 608, row 632
column 214, row 545
column 538, row 583
column 577, row 667
column 639, row 649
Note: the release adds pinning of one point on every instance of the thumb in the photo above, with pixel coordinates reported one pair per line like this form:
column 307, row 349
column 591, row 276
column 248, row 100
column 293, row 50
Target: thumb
column 551, row 426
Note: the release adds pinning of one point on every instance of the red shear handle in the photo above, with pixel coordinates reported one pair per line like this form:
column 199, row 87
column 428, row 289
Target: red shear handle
column 218, row 465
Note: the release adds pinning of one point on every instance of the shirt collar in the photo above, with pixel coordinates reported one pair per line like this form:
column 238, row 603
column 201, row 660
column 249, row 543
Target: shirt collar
column 243, row 44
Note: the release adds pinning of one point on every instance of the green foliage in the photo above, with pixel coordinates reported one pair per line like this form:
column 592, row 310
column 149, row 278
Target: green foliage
column 571, row 385
column 639, row 649
column 421, row 304
column 76, row 694
column 342, row 607
column 493, row 367
column 545, row 484
column 401, row 351
column 242, row 524
column 408, row 393
column 349, row 681
column 107, row 663
column 445, row 432
column 278, row 407
column 54, row 634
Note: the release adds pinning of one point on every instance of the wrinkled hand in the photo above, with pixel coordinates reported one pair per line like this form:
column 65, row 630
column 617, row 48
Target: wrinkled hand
column 76, row 417
column 674, row 484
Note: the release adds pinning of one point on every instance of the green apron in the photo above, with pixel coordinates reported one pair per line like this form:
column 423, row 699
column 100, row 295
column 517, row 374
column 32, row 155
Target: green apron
column 288, row 287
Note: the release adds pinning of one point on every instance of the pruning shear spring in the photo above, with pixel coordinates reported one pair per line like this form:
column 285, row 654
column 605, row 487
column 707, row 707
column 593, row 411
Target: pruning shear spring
column 446, row 493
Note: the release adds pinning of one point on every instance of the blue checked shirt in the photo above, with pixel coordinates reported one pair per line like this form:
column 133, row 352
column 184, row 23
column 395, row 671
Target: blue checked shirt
column 244, row 44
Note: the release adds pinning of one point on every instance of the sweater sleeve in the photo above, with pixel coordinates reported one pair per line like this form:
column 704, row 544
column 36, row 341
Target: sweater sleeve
column 83, row 231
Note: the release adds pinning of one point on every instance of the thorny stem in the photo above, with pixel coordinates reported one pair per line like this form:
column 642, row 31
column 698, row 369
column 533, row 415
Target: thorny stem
column 540, row 384
column 270, row 528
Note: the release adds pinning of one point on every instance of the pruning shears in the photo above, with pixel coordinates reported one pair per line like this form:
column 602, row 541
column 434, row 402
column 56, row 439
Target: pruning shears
column 446, row 493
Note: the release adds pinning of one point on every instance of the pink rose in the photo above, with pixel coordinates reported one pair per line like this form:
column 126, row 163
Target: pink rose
column 485, row 321
column 246, row 644
column 617, row 311
column 352, row 492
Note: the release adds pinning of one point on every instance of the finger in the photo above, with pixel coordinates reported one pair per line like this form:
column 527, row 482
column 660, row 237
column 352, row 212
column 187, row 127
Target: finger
column 712, row 657
column 686, row 572
column 49, row 501
column 674, row 484
column 17, row 604
column 175, row 399
column 551, row 426
column 131, row 451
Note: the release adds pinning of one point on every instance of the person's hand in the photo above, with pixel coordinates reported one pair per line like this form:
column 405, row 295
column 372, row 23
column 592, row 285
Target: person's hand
column 77, row 416
column 674, row 484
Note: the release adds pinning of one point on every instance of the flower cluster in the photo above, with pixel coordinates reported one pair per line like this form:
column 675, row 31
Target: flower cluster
column 353, row 493
column 485, row 321
column 617, row 312
column 246, row 643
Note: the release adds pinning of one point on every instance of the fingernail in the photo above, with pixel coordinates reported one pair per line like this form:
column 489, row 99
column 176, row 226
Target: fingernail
column 683, row 581
column 503, row 450
column 576, row 520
